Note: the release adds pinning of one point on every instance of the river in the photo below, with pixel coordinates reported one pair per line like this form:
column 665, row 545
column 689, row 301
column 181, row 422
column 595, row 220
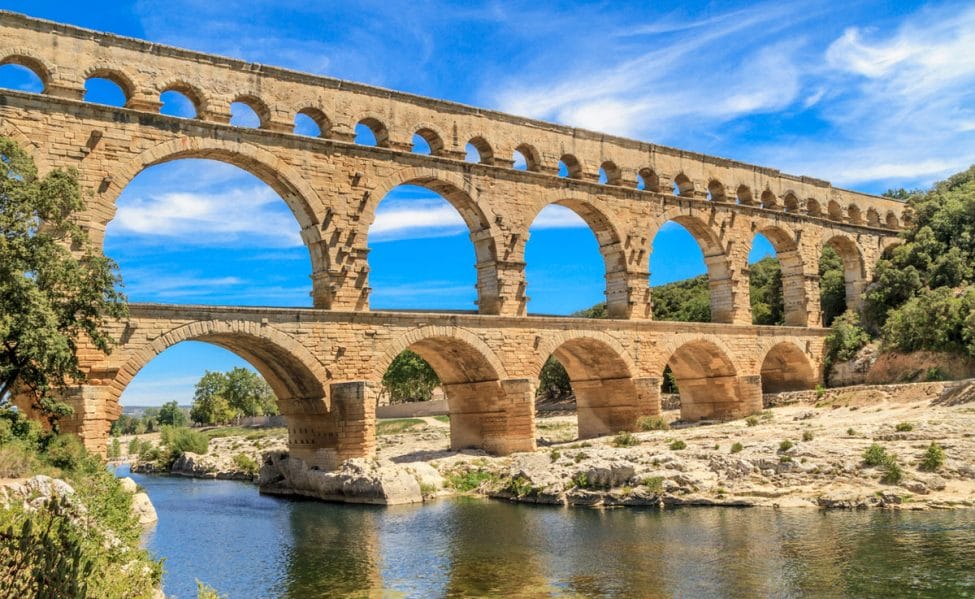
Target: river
column 244, row 544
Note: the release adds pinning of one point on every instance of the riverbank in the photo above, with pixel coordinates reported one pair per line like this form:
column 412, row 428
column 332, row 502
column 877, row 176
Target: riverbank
column 808, row 451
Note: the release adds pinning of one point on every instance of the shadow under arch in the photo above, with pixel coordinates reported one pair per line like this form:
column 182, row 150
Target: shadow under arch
column 487, row 411
column 610, row 244
column 795, row 312
column 601, row 376
column 716, row 260
column 461, row 194
column 786, row 367
column 709, row 384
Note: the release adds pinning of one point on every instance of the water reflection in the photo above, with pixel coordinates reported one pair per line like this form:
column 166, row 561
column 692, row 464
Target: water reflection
column 246, row 545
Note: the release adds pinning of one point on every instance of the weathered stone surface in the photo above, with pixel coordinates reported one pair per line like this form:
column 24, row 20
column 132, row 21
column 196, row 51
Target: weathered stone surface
column 356, row 481
column 325, row 364
column 143, row 509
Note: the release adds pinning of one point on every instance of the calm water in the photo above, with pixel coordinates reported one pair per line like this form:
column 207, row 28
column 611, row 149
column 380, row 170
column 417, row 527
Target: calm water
column 227, row 535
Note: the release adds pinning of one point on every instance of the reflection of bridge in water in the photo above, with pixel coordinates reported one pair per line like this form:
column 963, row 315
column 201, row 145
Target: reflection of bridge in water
column 325, row 363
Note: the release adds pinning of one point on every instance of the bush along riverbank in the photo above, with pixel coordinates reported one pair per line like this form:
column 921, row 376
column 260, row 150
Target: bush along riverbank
column 68, row 527
column 898, row 446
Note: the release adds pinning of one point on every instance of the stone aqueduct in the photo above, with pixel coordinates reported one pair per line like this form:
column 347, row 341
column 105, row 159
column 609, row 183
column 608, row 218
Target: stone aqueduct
column 324, row 363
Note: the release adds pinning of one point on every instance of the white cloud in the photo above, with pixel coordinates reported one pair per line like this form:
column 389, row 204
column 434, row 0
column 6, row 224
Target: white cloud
column 251, row 215
column 558, row 217
column 414, row 219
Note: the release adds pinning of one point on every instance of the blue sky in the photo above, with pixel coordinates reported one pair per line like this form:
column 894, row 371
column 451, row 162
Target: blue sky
column 868, row 95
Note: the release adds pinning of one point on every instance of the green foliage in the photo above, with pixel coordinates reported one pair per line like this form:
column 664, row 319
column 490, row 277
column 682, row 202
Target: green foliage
column 892, row 473
column 625, row 439
column 182, row 440
column 875, row 455
column 832, row 285
column 398, row 425
column 67, row 452
column 246, row 464
column 519, row 486
column 654, row 484
column 903, row 427
column 553, row 381
column 807, row 436
column 114, row 449
column 554, row 455
column 737, row 447
column 922, row 296
column 786, row 445
column 685, row 301
column 765, row 288
column 204, row 591
column 652, row 423
column 846, row 337
column 49, row 297
column 466, row 481
column 934, row 458
column 751, row 421
column 596, row 311
column 220, row 397
column 678, row 445
column 171, row 414
column 409, row 378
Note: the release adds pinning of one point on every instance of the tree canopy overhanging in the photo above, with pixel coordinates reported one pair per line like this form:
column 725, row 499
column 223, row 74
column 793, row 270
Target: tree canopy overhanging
column 56, row 290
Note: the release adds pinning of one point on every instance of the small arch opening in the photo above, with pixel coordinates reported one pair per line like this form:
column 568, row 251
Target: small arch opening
column 102, row 90
column 371, row 132
column 178, row 104
column 16, row 75
column 610, row 174
column 683, row 186
column 647, row 180
column 427, row 141
column 873, row 217
column 769, row 201
column 744, row 195
column 892, row 222
column 570, row 167
column 248, row 112
column 855, row 214
column 814, row 208
column 479, row 151
column 835, row 211
column 526, row 158
column 791, row 203
column 311, row 122
column 716, row 192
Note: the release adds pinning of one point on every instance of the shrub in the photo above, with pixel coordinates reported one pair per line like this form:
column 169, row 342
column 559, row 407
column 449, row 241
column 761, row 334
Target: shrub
column 875, row 455
column 246, row 463
column 625, row 439
column 903, row 427
column 677, row 445
column 66, row 452
column 135, row 446
column 554, row 455
column 580, row 480
column 851, row 432
column 892, row 471
column 845, row 339
column 654, row 484
column 520, row 486
column 737, row 447
column 652, row 423
column 114, row 449
column 468, row 480
column 807, row 436
column 182, row 440
column 580, row 456
column 820, row 391
column 751, row 421
column 934, row 458
column 786, row 445
column 18, row 460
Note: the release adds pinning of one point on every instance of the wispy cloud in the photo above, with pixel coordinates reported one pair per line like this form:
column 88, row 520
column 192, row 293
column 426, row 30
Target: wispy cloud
column 199, row 218
column 558, row 217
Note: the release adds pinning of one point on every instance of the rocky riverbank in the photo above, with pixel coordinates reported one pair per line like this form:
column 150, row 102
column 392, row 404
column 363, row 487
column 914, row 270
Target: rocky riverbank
column 810, row 450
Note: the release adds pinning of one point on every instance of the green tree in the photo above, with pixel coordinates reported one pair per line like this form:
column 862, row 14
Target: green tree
column 56, row 290
column 409, row 378
column 832, row 285
column 685, row 301
column 209, row 404
column 170, row 413
column 248, row 393
column 765, row 291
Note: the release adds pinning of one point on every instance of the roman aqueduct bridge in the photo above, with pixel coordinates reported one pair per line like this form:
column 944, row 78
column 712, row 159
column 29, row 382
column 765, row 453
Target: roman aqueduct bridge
column 325, row 363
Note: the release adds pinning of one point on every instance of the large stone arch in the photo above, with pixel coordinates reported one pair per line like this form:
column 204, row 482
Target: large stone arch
column 487, row 410
column 460, row 193
column 609, row 239
column 8, row 129
column 709, row 381
column 786, row 245
column 297, row 378
column 601, row 375
column 854, row 266
column 284, row 179
column 717, row 257
column 786, row 367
